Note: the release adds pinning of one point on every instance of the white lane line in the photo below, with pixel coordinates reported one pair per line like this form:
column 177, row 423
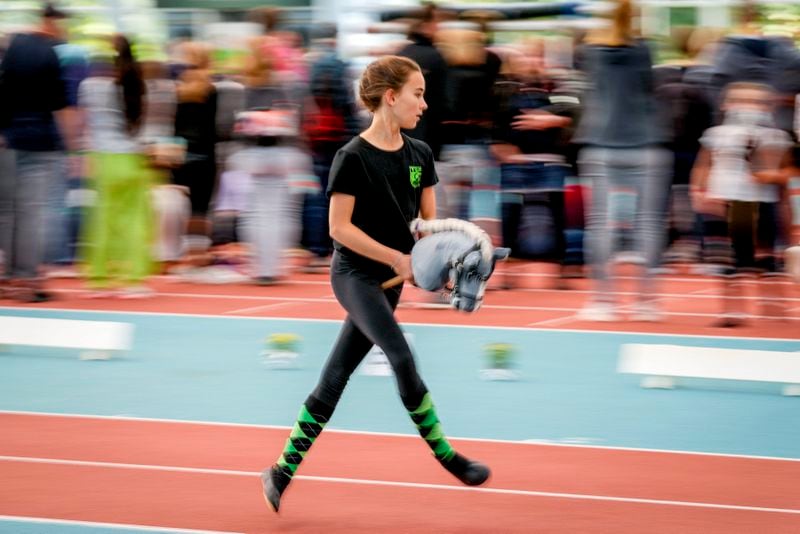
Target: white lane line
column 590, row 331
column 485, row 306
column 260, row 308
column 116, row 526
column 413, row 485
column 527, row 442
column 214, row 296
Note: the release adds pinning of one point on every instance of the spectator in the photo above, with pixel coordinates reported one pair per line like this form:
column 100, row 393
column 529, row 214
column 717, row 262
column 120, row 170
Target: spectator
column 434, row 68
column 688, row 111
column 530, row 142
column 622, row 157
column 119, row 233
column 735, row 186
column 330, row 122
column 32, row 90
column 195, row 121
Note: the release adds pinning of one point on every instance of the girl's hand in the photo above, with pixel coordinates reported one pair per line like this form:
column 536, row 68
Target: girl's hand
column 402, row 267
column 774, row 176
column 709, row 206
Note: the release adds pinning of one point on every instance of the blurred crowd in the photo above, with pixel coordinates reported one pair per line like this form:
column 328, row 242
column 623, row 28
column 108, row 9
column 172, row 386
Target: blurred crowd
column 115, row 165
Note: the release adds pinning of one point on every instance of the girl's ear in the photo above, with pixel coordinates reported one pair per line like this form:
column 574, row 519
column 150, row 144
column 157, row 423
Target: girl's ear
column 390, row 97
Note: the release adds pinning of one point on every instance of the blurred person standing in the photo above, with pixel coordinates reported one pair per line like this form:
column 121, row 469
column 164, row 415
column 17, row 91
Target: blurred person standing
column 533, row 126
column 747, row 55
column 195, row 121
column 32, row 91
column 119, row 230
column 421, row 49
column 623, row 157
column 65, row 202
column 273, row 160
column 224, row 214
column 736, row 185
column 684, row 96
column 329, row 123
column 171, row 203
column 467, row 169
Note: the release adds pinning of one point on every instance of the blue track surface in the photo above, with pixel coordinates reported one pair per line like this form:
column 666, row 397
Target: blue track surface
column 23, row 527
column 210, row 369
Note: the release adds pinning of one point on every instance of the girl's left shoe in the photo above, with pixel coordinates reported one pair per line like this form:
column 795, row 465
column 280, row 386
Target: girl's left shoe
column 273, row 483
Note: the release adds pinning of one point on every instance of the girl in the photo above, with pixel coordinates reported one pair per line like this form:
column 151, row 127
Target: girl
column 379, row 182
column 119, row 231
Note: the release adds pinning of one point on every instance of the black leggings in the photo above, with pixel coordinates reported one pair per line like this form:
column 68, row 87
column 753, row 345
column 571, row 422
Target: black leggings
column 370, row 321
column 744, row 241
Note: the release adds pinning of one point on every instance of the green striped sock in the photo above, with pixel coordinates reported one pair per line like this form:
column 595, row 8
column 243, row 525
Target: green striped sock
column 304, row 432
column 431, row 429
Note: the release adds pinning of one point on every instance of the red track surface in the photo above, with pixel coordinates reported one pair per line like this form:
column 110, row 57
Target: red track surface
column 690, row 302
column 229, row 499
column 386, row 483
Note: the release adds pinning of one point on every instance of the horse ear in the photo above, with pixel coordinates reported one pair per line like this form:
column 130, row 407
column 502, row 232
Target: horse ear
column 473, row 259
column 501, row 253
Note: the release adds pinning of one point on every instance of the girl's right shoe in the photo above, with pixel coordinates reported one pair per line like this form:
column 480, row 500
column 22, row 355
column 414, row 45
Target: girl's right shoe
column 468, row 471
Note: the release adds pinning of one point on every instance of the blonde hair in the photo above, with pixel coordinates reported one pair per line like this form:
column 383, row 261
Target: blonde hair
column 258, row 65
column 462, row 47
column 621, row 31
column 388, row 72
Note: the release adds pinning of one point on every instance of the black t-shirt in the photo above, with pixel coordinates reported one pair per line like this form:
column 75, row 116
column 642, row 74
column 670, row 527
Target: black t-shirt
column 387, row 187
column 31, row 89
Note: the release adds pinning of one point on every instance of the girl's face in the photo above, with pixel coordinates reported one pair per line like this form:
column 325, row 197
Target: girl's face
column 748, row 99
column 408, row 103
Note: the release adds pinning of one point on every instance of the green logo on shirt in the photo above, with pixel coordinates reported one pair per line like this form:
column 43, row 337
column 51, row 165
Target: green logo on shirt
column 415, row 175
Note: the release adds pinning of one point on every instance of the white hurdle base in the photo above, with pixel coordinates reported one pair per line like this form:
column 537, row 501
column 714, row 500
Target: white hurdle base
column 98, row 339
column 662, row 364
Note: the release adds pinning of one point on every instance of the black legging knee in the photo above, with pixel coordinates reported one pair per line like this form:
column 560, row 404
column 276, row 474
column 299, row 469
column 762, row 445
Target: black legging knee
column 370, row 321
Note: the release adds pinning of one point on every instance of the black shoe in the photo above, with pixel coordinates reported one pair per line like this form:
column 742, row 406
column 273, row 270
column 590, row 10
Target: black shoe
column 469, row 472
column 273, row 482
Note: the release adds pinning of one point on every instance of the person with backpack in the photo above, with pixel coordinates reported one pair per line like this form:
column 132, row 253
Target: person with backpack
column 329, row 123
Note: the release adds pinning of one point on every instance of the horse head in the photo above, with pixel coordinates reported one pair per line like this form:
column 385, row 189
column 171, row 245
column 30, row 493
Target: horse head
column 470, row 277
column 456, row 259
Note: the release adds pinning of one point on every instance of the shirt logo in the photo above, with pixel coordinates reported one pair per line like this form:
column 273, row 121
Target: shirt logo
column 414, row 175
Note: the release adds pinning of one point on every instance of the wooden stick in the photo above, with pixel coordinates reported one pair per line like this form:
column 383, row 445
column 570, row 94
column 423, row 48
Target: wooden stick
column 396, row 281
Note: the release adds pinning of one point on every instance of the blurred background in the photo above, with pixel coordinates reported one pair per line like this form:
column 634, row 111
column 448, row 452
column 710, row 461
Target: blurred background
column 163, row 167
column 580, row 134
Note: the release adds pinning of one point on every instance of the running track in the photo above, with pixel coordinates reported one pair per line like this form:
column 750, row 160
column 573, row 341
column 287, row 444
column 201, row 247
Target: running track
column 105, row 473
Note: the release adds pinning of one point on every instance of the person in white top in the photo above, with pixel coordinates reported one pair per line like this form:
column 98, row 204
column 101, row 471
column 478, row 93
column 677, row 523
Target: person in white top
column 736, row 186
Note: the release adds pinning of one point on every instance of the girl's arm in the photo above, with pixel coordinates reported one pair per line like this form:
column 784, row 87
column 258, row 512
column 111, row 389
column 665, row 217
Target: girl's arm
column 699, row 183
column 427, row 208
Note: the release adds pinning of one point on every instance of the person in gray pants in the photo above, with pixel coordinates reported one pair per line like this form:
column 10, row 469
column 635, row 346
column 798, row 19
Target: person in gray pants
column 31, row 92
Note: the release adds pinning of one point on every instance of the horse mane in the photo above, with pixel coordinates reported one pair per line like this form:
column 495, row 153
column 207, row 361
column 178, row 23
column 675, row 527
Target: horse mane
column 475, row 232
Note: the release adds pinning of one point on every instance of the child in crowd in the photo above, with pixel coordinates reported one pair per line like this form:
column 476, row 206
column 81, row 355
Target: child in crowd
column 736, row 186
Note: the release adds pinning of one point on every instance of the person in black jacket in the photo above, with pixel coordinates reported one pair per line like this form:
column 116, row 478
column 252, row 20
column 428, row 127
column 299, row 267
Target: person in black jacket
column 380, row 181
column 32, row 93
column 434, row 70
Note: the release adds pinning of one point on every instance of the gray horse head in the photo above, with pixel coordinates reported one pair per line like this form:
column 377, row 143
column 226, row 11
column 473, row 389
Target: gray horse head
column 454, row 258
